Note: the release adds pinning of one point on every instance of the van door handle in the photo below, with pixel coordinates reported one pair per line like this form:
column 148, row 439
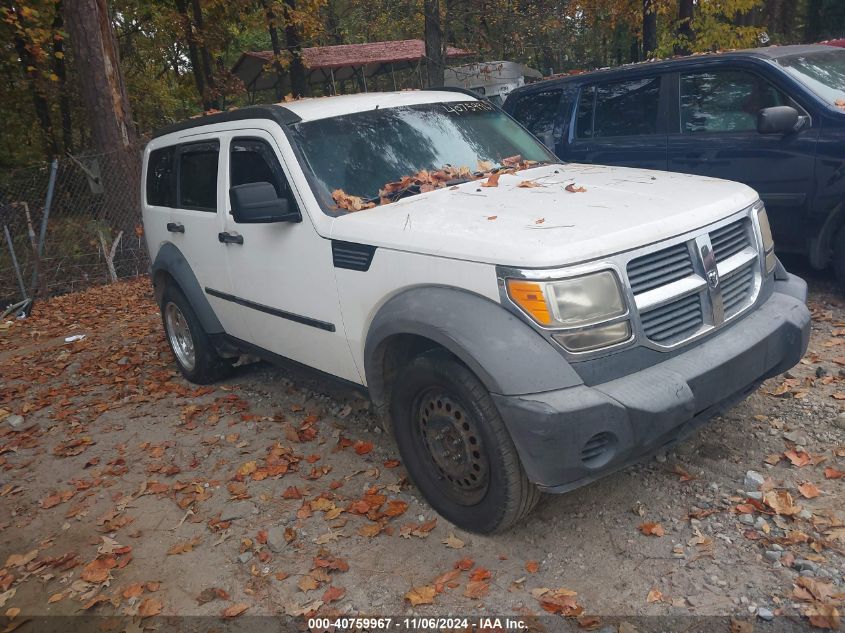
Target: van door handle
column 175, row 227
column 230, row 238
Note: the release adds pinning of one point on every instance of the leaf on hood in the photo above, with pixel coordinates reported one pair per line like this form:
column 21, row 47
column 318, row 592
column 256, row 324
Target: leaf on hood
column 528, row 184
column 350, row 203
column 421, row 595
column 573, row 188
column 492, row 180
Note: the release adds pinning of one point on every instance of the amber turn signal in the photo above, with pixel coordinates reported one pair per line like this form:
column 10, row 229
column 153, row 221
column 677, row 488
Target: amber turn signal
column 528, row 295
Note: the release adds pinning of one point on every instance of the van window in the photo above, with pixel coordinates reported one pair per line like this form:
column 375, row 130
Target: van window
column 627, row 108
column 586, row 108
column 253, row 160
column 724, row 101
column 198, row 176
column 160, row 185
column 537, row 112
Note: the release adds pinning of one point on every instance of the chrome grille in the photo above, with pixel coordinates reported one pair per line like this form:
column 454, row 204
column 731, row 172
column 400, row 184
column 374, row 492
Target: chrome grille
column 729, row 240
column 674, row 321
column 737, row 288
column 660, row 268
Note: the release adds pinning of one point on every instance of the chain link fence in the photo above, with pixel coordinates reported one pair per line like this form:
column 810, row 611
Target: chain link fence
column 81, row 213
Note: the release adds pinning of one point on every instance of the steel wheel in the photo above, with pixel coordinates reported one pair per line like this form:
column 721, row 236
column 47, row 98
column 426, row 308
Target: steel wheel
column 179, row 335
column 452, row 442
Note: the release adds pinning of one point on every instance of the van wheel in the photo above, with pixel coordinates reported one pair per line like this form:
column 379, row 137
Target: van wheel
column 195, row 355
column 456, row 447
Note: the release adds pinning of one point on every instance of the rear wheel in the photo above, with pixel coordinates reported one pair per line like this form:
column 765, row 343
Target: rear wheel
column 456, row 447
column 195, row 355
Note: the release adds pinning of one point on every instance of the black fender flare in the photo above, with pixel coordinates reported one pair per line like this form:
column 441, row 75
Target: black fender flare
column 171, row 261
column 507, row 354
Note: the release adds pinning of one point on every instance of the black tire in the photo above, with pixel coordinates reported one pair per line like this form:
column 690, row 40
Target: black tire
column 207, row 366
column 456, row 447
column 839, row 257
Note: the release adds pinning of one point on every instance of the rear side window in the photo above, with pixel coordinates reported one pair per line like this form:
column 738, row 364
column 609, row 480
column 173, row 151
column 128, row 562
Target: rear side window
column 253, row 160
column 198, row 176
column 725, row 101
column 161, row 187
column 538, row 112
column 627, row 108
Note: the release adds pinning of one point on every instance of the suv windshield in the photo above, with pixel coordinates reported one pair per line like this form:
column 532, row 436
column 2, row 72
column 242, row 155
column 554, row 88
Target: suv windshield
column 361, row 153
column 822, row 72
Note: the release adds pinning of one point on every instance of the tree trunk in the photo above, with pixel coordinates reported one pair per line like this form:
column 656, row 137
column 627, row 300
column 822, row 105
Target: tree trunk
column 193, row 52
column 813, row 21
column 649, row 29
column 211, row 97
column 104, row 99
column 277, row 49
column 684, row 31
column 61, row 72
column 298, row 82
column 434, row 51
column 42, row 108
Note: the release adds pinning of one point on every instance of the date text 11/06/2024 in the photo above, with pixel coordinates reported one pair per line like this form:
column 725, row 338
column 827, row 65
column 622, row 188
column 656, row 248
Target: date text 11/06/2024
column 418, row 624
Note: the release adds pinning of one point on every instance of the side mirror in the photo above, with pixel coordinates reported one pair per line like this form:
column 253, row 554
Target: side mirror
column 779, row 120
column 257, row 203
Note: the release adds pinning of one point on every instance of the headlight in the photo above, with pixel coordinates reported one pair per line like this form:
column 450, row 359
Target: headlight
column 581, row 306
column 768, row 242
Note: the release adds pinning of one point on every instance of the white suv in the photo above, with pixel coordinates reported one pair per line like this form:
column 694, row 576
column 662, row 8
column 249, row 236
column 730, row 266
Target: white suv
column 522, row 325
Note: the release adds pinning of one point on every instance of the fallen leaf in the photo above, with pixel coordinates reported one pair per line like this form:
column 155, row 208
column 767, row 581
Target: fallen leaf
column 781, row 502
column 573, row 188
column 234, row 610
column 532, row 567
column 465, row 564
column 421, row 595
column 453, row 541
column 134, row 590
column 476, row 589
column 333, row 593
column 652, row 529
column 149, row 607
column 654, row 596
column 809, row 490
column 185, row 546
column 528, row 184
column 362, row 448
column 832, row 473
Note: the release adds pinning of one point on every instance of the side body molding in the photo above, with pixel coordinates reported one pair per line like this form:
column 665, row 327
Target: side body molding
column 170, row 260
column 507, row 355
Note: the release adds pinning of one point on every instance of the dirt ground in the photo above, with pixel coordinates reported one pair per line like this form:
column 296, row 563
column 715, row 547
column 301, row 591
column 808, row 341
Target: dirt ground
column 126, row 491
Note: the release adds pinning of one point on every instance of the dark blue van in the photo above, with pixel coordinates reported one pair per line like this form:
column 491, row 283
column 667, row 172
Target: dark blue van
column 772, row 118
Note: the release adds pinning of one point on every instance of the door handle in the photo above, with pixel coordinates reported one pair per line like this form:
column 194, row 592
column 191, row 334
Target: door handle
column 230, row 238
column 175, row 227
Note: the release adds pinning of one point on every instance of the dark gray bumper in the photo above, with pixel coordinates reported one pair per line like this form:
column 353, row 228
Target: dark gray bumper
column 570, row 437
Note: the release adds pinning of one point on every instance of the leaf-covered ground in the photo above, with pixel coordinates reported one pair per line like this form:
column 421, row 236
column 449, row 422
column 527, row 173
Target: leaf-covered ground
column 125, row 490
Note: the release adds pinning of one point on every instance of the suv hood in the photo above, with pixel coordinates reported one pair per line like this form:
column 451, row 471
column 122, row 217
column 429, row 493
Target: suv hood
column 546, row 225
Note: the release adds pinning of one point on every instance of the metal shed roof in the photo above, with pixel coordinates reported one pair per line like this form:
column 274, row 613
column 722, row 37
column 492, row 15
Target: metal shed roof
column 345, row 61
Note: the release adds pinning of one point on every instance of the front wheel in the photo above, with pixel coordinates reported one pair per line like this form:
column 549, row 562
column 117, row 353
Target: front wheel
column 456, row 447
column 195, row 355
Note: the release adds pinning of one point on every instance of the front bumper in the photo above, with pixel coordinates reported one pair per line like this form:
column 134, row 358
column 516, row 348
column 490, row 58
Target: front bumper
column 570, row 437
